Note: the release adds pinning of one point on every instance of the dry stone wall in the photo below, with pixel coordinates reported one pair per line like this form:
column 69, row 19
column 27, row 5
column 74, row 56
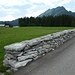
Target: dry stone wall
column 19, row 54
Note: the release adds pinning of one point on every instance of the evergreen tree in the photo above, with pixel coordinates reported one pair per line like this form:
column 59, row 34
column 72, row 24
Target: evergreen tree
column 49, row 21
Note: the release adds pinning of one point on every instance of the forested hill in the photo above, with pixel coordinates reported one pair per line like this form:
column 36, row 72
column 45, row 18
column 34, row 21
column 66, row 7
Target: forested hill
column 13, row 22
column 49, row 21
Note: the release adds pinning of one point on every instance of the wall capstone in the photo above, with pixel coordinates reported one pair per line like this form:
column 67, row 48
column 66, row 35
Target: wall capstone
column 21, row 53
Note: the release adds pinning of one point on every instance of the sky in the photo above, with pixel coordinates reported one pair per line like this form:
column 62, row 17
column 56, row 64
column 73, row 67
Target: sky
column 13, row 9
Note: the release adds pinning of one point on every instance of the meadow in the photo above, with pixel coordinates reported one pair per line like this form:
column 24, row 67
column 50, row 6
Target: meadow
column 12, row 35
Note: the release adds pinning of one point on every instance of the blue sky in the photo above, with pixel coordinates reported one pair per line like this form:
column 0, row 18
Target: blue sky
column 13, row 9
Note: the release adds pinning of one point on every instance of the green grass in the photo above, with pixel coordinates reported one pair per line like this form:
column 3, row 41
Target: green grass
column 12, row 35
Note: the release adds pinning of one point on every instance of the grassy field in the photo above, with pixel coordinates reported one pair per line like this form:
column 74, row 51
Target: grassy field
column 12, row 35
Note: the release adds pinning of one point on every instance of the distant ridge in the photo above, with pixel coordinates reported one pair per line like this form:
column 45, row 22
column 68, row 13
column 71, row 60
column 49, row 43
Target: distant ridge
column 13, row 22
column 57, row 11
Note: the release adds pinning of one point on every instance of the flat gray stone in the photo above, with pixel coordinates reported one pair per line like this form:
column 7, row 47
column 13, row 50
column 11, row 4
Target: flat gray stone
column 15, row 47
column 1, row 73
column 21, row 64
column 23, row 58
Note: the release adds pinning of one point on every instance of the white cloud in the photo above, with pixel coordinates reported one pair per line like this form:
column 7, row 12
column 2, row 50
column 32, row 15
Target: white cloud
column 8, row 18
column 69, row 9
column 31, row 9
column 38, row 12
column 51, row 3
column 46, row 2
column 35, row 14
column 64, row 2
column 12, row 11
column 73, row 0
column 1, row 8
column 9, row 11
column 13, row 2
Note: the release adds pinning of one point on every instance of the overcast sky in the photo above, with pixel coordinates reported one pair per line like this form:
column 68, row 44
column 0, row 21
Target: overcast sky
column 13, row 9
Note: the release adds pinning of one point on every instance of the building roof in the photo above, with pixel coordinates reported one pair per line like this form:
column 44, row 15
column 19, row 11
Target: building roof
column 1, row 25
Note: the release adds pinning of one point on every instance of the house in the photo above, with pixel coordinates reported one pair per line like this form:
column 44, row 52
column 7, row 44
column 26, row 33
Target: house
column 7, row 26
column 2, row 25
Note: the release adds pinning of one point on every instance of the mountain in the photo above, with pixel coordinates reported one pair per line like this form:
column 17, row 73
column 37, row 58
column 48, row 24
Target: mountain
column 2, row 22
column 13, row 22
column 57, row 11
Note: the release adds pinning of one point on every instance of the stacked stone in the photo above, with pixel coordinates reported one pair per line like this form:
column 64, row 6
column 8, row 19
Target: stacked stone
column 19, row 54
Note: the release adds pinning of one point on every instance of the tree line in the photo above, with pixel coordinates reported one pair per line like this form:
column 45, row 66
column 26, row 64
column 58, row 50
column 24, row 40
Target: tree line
column 49, row 21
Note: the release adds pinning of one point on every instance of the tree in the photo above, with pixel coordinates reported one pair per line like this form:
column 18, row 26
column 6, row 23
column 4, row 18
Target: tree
column 49, row 21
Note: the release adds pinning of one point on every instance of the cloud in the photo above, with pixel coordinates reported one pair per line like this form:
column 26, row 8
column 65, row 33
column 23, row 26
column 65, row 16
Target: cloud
column 13, row 2
column 9, row 10
column 64, row 2
column 51, row 3
column 31, row 9
column 1, row 8
column 46, row 2
column 35, row 14
column 8, row 18
column 12, row 11
column 34, row 11
column 74, row 0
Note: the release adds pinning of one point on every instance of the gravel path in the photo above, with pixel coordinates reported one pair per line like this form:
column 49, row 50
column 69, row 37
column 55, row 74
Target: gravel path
column 58, row 62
